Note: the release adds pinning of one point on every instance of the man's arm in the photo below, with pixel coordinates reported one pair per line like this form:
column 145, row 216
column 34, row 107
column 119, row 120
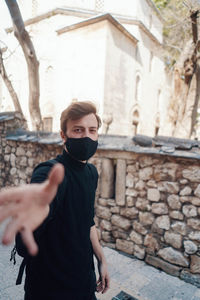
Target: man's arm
column 103, row 283
column 28, row 206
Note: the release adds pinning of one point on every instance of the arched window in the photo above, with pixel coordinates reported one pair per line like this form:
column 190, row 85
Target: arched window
column 157, row 124
column 135, row 121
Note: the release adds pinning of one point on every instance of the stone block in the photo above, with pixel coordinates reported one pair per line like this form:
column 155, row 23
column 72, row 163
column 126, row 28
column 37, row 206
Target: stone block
column 153, row 195
column 23, row 161
column 13, row 171
column 195, row 235
column 130, row 201
column 146, row 173
column 120, row 188
column 20, row 151
column 139, row 252
column 136, row 237
column 129, row 212
column 140, row 185
column 13, row 160
column 106, row 225
column 174, row 202
column 152, row 184
column 186, row 191
column 177, row 215
column 103, row 212
column 192, row 174
column 179, row 227
column 131, row 192
column 125, row 246
column 114, row 210
column 197, row 191
column 121, row 222
column 143, row 204
column 159, row 208
column 163, row 265
column 195, row 264
column 173, row 256
column 169, row 187
column 189, row 211
column 163, row 222
column 146, row 218
column 151, row 243
column 194, row 223
column 107, row 178
column 195, row 201
column 139, row 228
column 190, row 248
column 173, row 239
column 130, row 180
column 107, row 237
column 102, row 202
column 119, row 234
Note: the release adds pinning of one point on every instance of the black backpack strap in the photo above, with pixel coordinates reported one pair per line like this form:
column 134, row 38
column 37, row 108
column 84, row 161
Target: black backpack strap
column 21, row 270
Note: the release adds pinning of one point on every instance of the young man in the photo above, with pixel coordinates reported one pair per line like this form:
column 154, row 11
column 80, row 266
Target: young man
column 67, row 239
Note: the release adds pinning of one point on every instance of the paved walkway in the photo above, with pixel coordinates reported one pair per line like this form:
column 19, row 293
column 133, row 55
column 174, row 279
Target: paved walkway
column 128, row 274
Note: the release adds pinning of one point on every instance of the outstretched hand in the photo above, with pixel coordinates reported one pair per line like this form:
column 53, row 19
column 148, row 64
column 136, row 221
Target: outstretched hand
column 28, row 206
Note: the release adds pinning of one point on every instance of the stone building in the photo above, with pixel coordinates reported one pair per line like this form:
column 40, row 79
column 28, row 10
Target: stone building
column 148, row 196
column 106, row 51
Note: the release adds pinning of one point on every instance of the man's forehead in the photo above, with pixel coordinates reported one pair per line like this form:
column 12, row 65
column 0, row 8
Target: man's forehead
column 86, row 121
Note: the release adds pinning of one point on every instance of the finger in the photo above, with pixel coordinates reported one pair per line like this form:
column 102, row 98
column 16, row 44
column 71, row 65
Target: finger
column 55, row 177
column 9, row 195
column 103, row 283
column 11, row 229
column 28, row 239
column 7, row 211
column 56, row 174
column 107, row 284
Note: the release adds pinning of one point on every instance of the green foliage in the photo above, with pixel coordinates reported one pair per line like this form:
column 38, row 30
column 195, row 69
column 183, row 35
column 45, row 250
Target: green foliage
column 161, row 3
column 177, row 27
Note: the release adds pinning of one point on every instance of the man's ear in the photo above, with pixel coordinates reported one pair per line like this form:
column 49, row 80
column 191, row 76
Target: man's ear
column 63, row 136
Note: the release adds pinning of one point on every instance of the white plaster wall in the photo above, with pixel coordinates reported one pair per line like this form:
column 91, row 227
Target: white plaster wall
column 80, row 67
column 152, row 80
column 144, row 14
column 119, row 86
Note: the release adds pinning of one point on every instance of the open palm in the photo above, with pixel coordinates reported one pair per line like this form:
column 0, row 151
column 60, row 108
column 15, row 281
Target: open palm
column 28, row 206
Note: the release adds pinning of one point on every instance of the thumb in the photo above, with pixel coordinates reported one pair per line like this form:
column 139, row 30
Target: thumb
column 55, row 177
column 56, row 174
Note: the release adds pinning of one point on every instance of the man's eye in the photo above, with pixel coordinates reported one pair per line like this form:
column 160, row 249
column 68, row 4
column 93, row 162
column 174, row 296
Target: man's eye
column 77, row 130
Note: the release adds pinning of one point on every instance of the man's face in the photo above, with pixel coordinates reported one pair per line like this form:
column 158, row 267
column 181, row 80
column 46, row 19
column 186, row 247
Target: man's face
column 87, row 126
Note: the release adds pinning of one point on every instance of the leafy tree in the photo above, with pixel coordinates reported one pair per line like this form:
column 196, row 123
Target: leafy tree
column 182, row 51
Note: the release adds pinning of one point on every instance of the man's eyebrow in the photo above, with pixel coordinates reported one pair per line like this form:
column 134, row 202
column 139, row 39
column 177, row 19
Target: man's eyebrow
column 79, row 126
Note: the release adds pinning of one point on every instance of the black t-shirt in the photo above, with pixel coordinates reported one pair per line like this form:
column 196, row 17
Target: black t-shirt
column 64, row 263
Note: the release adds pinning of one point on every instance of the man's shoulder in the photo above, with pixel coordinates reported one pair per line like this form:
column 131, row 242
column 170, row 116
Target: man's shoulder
column 93, row 169
column 40, row 172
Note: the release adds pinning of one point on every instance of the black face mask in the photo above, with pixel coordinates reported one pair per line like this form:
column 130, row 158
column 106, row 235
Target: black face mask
column 81, row 148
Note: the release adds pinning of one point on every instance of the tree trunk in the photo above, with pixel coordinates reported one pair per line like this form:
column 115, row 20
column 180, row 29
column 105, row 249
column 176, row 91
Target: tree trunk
column 186, row 93
column 32, row 63
column 9, row 86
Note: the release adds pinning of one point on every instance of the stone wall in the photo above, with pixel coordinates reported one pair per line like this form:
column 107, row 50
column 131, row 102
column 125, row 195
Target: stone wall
column 146, row 205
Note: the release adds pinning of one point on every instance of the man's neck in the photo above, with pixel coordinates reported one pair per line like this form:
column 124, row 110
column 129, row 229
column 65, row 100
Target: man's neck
column 83, row 161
